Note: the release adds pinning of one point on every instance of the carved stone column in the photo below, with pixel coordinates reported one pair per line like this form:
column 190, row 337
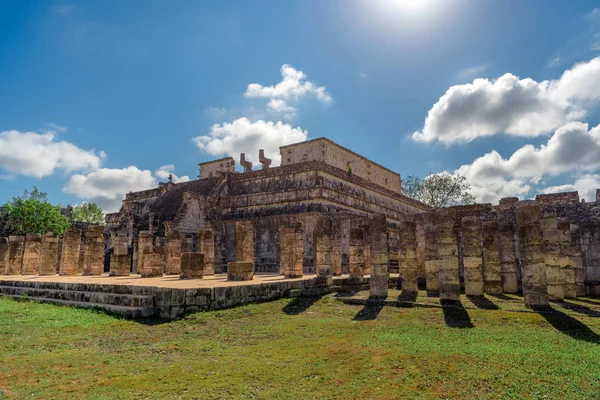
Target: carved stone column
column 290, row 251
column 93, row 261
column 552, row 255
column 492, row 266
column 448, row 250
column 31, row 254
column 472, row 255
column 4, row 250
column 379, row 274
column 173, row 253
column 432, row 260
column 49, row 256
column 69, row 257
column 407, row 256
column 192, row 265
column 15, row 254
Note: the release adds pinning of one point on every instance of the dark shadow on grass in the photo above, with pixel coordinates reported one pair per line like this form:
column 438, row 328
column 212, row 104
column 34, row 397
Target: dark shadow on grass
column 568, row 325
column 483, row 302
column 455, row 314
column 370, row 311
column 503, row 297
column 300, row 304
column 580, row 309
column 408, row 296
column 589, row 301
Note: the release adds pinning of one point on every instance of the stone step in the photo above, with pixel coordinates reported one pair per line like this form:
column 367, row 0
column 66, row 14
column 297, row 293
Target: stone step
column 123, row 311
column 127, row 300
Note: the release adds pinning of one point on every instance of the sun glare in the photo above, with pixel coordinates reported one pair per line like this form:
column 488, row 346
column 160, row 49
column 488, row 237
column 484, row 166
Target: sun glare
column 409, row 6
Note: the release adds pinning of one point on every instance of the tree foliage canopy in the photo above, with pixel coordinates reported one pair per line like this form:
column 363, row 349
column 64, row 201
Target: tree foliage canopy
column 88, row 212
column 439, row 190
column 31, row 213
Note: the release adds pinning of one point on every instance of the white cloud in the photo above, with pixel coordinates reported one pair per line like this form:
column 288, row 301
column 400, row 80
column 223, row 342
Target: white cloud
column 39, row 154
column 572, row 148
column 522, row 107
column 243, row 136
column 586, row 185
column 471, row 72
column 107, row 187
column 280, row 106
column 165, row 171
column 293, row 86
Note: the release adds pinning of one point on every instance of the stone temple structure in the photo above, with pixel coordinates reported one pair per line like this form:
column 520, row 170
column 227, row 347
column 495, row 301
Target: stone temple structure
column 318, row 180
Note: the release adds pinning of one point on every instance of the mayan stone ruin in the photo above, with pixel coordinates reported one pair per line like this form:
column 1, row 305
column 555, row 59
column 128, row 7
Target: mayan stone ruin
column 327, row 212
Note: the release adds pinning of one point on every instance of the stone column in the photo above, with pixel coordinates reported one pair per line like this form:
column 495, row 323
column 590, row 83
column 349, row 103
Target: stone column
column 144, row 247
column 577, row 261
column 244, row 241
column 508, row 256
column 69, row 256
column 492, row 267
column 448, row 250
column 16, row 245
column 356, row 257
column 187, row 244
column 120, row 265
column 93, row 259
column 192, row 265
column 472, row 255
column 379, row 256
column 291, row 251
column 568, row 258
column 173, row 253
column 206, row 246
column 120, row 244
column 552, row 257
column 432, row 260
column 49, row 256
column 31, row 254
column 407, row 256
column 336, row 249
column 323, row 241
column 240, row 271
column 4, row 250
column 535, row 292
column 152, row 265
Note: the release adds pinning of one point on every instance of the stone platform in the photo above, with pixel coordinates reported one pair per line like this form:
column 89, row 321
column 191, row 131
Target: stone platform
column 167, row 297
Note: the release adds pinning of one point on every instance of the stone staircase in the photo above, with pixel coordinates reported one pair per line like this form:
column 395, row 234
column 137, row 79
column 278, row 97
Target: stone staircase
column 123, row 302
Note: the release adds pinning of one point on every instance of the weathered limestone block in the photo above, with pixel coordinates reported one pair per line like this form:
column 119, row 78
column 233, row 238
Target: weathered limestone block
column 336, row 249
column 120, row 265
column 579, row 271
column 4, row 250
column 144, row 246
column 448, row 251
column 173, row 253
column 69, row 256
column 535, row 291
column 192, row 265
column 472, row 255
column 240, row 271
column 567, row 258
column 432, row 260
column 554, row 275
column 93, row 261
column 324, row 243
column 244, row 241
column 508, row 256
column 291, row 251
column 31, row 254
column 356, row 257
column 206, row 246
column 49, row 254
column 152, row 265
column 187, row 244
column 120, row 244
column 379, row 255
column 16, row 245
column 492, row 266
column 407, row 256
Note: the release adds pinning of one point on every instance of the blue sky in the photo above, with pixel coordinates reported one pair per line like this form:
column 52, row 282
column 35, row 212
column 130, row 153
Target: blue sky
column 100, row 98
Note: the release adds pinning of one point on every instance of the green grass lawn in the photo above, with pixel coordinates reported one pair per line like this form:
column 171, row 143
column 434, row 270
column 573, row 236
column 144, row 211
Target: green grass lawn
column 300, row 348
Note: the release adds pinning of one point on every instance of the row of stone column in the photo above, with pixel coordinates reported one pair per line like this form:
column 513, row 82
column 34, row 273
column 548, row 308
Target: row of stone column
column 47, row 254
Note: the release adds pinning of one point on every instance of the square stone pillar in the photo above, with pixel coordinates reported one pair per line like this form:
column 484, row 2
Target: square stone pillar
column 144, row 246
column 291, row 251
column 336, row 248
column 31, row 254
column 472, row 255
column 407, row 256
column 192, row 265
column 379, row 257
column 4, row 250
column 93, row 259
column 206, row 246
column 49, row 256
column 492, row 266
column 552, row 255
column 69, row 256
column 240, row 271
column 535, row 291
column 508, row 256
column 448, row 250
column 244, row 241
column 577, row 261
column 120, row 265
column 16, row 245
column 324, row 250
column 153, row 264
column 568, row 258
column 173, row 253
column 120, row 244
column 432, row 260
column 356, row 262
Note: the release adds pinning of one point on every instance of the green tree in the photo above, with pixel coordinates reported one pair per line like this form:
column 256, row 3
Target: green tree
column 88, row 212
column 31, row 213
column 439, row 190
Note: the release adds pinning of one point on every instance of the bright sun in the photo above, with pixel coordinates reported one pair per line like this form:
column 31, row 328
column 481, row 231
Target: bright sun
column 409, row 6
